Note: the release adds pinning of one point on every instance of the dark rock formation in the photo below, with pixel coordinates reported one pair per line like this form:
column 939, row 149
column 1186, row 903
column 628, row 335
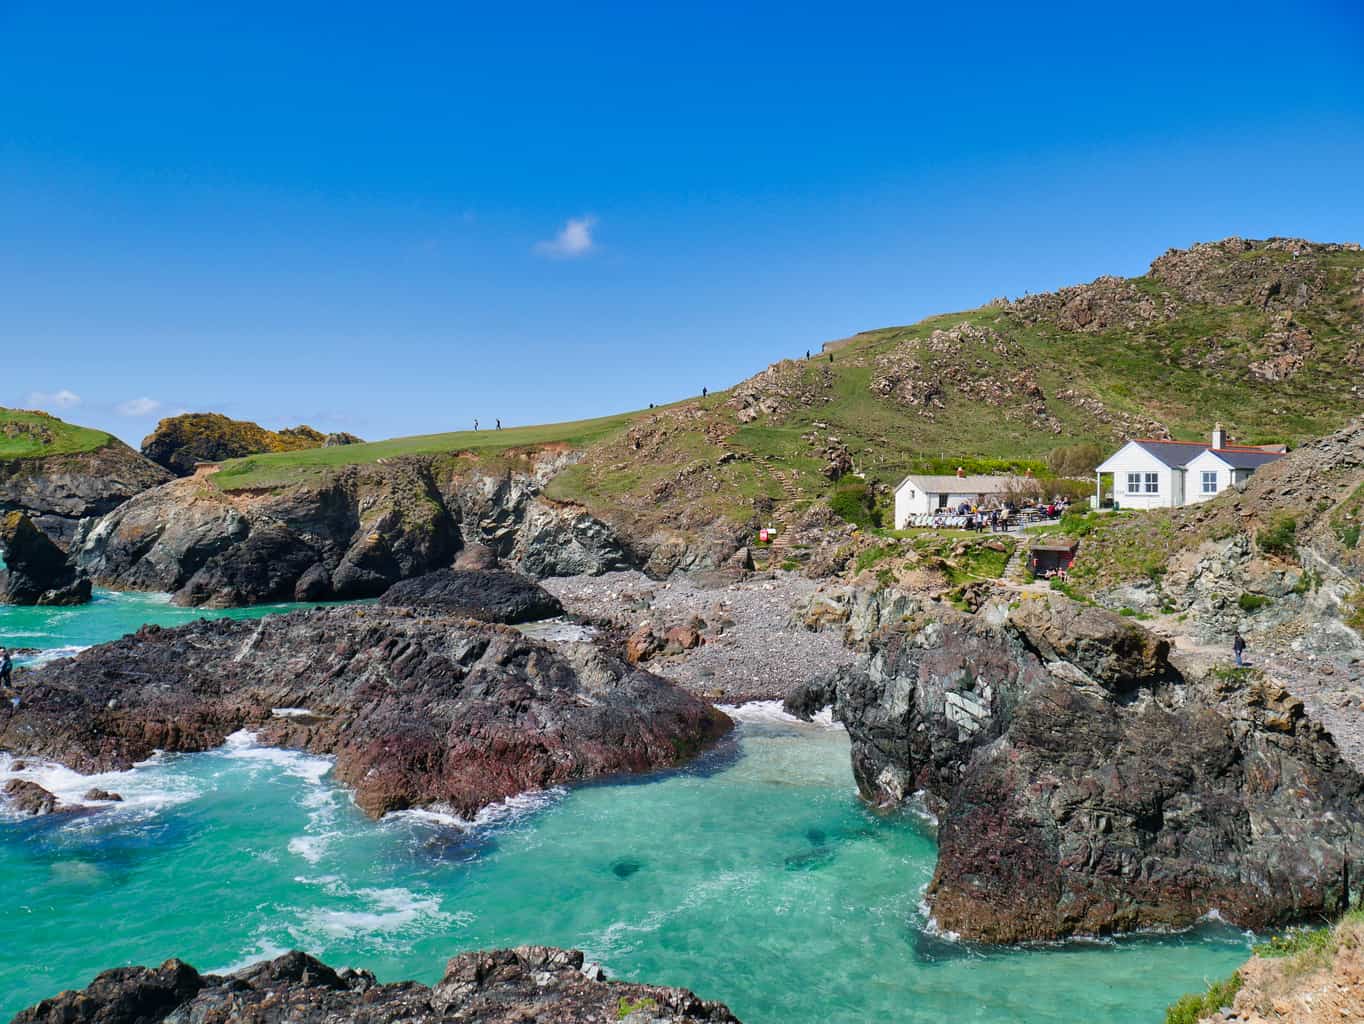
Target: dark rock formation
column 103, row 795
column 57, row 492
column 36, row 570
column 417, row 709
column 179, row 443
column 508, row 986
column 352, row 533
column 28, row 797
column 341, row 439
column 488, row 595
column 477, row 556
column 1084, row 786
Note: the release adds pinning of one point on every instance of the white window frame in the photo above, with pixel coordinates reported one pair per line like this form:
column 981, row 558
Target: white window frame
column 1209, row 481
column 1152, row 483
column 1133, row 483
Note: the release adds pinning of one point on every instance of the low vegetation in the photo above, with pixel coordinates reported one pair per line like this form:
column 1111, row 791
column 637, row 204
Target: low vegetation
column 29, row 435
column 1251, row 603
column 1279, row 537
column 1193, row 1007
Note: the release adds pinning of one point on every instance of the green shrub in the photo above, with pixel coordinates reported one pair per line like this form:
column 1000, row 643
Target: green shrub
column 1251, row 603
column 1075, row 460
column 1295, row 941
column 1349, row 536
column 866, row 559
column 1280, row 537
column 1354, row 610
column 1195, row 1005
column 627, row 1006
column 1309, row 581
column 854, row 502
column 1128, row 612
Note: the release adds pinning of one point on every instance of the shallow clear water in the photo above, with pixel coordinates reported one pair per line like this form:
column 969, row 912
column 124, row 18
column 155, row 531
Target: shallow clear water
column 755, row 877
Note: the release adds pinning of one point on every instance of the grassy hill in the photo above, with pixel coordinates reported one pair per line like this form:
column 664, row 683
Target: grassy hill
column 32, row 435
column 1267, row 337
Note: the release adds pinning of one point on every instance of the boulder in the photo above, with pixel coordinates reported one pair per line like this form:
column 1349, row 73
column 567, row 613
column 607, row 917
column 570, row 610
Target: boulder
column 36, row 570
column 28, row 797
column 681, row 638
column 417, row 707
column 507, row 986
column 488, row 595
column 341, row 439
column 1083, row 786
column 102, row 795
column 642, row 644
column 477, row 556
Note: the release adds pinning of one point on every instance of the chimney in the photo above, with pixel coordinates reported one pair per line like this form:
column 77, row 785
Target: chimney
column 1219, row 436
column 960, row 473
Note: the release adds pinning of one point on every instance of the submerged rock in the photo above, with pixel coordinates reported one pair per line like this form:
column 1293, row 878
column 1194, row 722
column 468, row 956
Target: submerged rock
column 483, row 594
column 36, row 570
column 1083, row 786
column 507, row 986
column 417, row 709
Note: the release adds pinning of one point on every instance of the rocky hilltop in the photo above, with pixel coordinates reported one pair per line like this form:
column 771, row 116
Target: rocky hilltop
column 418, row 708
column 36, row 570
column 1085, row 784
column 179, row 443
column 59, row 475
column 507, row 986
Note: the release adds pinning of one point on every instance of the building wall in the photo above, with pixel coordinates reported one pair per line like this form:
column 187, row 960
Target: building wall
column 1206, row 463
column 1132, row 460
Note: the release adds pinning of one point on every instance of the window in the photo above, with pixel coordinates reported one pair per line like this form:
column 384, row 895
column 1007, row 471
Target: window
column 1152, row 483
column 1133, row 483
column 1209, row 481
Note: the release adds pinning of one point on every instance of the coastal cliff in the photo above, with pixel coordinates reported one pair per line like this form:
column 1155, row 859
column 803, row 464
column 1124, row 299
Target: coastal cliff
column 1085, row 785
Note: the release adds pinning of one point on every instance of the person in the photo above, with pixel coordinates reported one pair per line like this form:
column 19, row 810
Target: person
column 807, row 355
column 475, row 426
column 831, row 357
column 6, row 668
column 704, row 392
column 499, row 424
column 1238, row 648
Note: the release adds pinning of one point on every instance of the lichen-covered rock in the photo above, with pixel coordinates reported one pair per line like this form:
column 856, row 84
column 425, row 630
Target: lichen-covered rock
column 179, row 443
column 488, row 595
column 1084, row 786
column 507, row 986
column 36, row 571
column 418, row 709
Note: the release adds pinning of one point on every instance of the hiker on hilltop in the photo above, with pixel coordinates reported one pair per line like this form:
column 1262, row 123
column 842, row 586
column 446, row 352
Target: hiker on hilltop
column 704, row 392
column 1238, row 648
column 475, row 426
column 499, row 424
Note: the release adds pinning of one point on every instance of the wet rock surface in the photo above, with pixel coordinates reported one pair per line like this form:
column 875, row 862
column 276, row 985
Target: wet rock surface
column 489, row 595
column 36, row 570
column 29, row 798
column 418, row 709
column 530, row 983
column 1083, row 795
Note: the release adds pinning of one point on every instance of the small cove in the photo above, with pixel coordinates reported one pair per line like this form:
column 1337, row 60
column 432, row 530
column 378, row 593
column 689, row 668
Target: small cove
column 754, row 876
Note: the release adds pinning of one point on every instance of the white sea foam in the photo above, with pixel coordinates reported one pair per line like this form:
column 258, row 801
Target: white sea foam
column 242, row 745
column 504, row 812
column 143, row 790
column 54, row 654
column 760, row 711
column 265, row 950
column 385, row 912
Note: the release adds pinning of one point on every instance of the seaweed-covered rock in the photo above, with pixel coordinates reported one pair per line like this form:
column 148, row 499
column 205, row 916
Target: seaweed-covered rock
column 506, row 986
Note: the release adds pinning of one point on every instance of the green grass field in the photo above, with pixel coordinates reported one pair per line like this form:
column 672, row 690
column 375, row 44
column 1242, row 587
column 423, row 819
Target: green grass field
column 280, row 469
column 32, row 435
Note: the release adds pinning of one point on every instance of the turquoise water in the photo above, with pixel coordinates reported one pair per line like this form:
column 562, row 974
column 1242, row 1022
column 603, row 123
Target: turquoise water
column 755, row 877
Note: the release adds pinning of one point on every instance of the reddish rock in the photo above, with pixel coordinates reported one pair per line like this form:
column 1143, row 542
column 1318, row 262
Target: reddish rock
column 642, row 645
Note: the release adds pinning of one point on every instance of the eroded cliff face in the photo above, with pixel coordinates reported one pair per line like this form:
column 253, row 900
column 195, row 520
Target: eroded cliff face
column 351, row 533
column 57, row 492
column 1084, row 785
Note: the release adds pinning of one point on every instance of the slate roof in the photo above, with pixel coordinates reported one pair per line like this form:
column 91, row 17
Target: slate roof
column 952, row 484
column 1178, row 454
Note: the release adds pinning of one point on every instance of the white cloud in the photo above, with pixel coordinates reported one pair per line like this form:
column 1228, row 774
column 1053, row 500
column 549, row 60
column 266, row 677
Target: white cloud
column 575, row 239
column 137, row 407
column 63, row 399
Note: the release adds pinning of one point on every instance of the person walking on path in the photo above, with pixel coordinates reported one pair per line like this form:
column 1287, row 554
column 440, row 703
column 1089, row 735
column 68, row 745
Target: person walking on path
column 499, row 424
column 704, row 392
column 1238, row 648
column 475, row 426
column 6, row 668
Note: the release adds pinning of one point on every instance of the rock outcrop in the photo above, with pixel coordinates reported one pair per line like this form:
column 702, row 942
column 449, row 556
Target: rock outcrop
column 1085, row 786
column 508, row 986
column 417, row 709
column 488, row 595
column 352, row 533
column 179, row 443
column 58, row 492
column 26, row 797
column 36, row 570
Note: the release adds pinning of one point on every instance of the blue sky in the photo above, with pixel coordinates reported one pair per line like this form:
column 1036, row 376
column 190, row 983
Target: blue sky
column 394, row 218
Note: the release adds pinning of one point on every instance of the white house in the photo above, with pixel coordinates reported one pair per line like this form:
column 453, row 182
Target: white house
column 1151, row 473
column 923, row 495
